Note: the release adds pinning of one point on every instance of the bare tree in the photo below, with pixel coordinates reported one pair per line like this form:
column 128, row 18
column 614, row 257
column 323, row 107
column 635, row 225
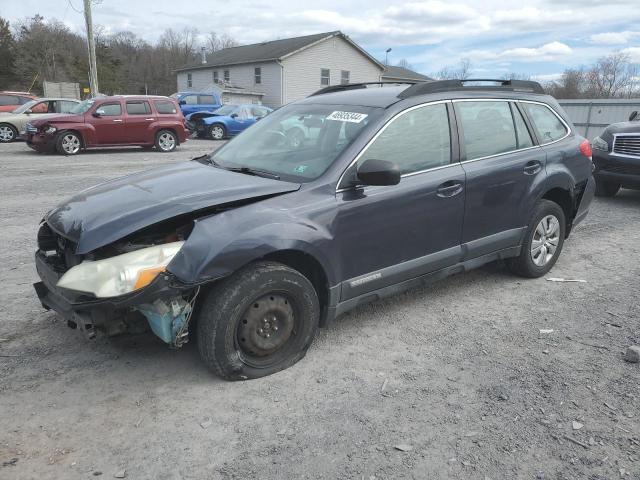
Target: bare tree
column 610, row 76
column 516, row 76
column 404, row 63
column 460, row 71
column 570, row 85
column 215, row 42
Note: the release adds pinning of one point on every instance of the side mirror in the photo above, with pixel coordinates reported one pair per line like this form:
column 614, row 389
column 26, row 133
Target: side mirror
column 98, row 113
column 378, row 172
column 234, row 115
column 182, row 102
column 633, row 116
column 28, row 112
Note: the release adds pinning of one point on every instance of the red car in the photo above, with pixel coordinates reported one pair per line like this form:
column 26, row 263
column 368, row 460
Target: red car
column 9, row 101
column 121, row 120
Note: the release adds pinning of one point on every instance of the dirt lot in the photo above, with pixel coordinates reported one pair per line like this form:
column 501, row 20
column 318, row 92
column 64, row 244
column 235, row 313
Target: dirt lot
column 459, row 372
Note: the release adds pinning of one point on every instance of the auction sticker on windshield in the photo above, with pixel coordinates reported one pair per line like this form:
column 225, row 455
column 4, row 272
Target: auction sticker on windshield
column 353, row 117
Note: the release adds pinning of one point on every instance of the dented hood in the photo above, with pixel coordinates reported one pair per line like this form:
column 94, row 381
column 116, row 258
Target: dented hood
column 112, row 210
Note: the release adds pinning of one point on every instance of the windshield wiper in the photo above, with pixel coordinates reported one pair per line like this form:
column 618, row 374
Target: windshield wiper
column 252, row 171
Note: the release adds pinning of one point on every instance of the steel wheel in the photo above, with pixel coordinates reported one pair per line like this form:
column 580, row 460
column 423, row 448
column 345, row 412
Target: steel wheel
column 166, row 141
column 266, row 327
column 217, row 132
column 545, row 240
column 70, row 144
column 7, row 133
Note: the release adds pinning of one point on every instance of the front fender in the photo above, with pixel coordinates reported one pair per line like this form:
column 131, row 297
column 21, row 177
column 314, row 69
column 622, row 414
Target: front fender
column 220, row 244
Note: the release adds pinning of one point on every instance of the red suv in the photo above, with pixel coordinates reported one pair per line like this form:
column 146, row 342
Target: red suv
column 142, row 120
column 9, row 101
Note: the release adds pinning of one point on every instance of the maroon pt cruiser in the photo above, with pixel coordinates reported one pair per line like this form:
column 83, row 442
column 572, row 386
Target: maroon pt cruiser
column 120, row 120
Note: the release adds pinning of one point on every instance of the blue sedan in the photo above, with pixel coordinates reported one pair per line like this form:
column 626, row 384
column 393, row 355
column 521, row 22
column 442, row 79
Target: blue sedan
column 226, row 121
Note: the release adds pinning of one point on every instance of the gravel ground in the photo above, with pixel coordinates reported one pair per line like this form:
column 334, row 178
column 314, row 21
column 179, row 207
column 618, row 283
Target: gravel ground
column 458, row 374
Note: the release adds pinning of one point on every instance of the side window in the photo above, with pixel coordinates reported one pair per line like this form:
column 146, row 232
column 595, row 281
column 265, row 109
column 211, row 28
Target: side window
column 138, row 108
column 110, row 109
column 257, row 74
column 189, row 80
column 522, row 132
column 243, row 113
column 259, row 112
column 206, row 100
column 164, row 107
column 344, row 76
column 190, row 100
column 43, row 107
column 227, row 76
column 65, row 106
column 9, row 100
column 486, row 128
column 416, row 140
column 324, row 76
column 547, row 125
column 215, row 77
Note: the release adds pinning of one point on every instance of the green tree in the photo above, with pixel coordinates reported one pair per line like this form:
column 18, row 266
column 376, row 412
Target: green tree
column 7, row 56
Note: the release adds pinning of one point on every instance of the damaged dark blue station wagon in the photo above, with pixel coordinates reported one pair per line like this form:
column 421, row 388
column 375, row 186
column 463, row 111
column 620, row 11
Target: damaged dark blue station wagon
column 258, row 244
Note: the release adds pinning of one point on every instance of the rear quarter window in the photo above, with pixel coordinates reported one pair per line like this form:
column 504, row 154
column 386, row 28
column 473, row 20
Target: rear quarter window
column 165, row 107
column 546, row 124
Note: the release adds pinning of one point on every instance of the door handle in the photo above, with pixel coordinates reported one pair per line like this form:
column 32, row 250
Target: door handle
column 532, row 167
column 118, row 120
column 449, row 189
column 149, row 119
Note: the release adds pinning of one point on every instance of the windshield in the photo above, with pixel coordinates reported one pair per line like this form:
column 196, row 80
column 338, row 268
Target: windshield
column 25, row 107
column 82, row 106
column 226, row 110
column 297, row 142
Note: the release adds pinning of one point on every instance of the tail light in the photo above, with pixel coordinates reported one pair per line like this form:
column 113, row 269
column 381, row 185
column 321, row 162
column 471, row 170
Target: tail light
column 585, row 149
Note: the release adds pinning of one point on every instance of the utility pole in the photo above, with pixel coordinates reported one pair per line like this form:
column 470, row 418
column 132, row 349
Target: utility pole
column 93, row 70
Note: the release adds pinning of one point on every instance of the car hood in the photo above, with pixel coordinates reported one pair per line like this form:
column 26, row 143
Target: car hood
column 110, row 211
column 56, row 118
column 624, row 127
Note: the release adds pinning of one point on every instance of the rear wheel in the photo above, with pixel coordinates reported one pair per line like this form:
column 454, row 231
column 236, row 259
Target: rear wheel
column 68, row 143
column 166, row 141
column 543, row 241
column 217, row 131
column 8, row 133
column 606, row 189
column 257, row 322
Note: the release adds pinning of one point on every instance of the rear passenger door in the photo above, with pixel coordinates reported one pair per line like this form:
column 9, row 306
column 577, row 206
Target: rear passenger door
column 138, row 120
column 505, row 172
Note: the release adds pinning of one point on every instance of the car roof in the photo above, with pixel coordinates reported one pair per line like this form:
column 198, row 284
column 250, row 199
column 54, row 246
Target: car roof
column 132, row 97
column 22, row 94
column 49, row 99
column 385, row 96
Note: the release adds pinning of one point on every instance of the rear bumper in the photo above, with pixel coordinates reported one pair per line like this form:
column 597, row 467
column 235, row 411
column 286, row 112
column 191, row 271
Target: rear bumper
column 89, row 314
column 617, row 168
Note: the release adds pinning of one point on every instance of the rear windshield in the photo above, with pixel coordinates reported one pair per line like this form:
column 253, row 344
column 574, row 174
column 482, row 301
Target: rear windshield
column 297, row 142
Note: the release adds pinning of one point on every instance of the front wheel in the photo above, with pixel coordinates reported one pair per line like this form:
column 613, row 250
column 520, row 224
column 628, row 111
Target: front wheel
column 217, row 131
column 166, row 141
column 606, row 189
column 68, row 143
column 8, row 133
column 543, row 241
column 257, row 322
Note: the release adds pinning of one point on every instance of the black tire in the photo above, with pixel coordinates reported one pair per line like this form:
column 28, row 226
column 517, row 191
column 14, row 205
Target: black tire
column 214, row 129
column 229, row 329
column 8, row 133
column 68, row 143
column 201, row 134
column 606, row 189
column 166, row 141
column 524, row 265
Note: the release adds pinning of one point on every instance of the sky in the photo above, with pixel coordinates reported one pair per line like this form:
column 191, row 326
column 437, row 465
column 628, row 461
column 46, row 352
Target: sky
column 540, row 38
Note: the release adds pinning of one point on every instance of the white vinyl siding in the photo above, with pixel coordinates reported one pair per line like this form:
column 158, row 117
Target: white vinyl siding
column 302, row 69
column 241, row 76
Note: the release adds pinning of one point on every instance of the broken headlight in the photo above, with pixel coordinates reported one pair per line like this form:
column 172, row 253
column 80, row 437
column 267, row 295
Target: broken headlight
column 600, row 144
column 120, row 274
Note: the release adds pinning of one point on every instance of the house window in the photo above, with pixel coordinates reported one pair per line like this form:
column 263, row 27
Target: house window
column 226, row 75
column 189, row 80
column 324, row 76
column 257, row 74
column 344, row 77
column 215, row 77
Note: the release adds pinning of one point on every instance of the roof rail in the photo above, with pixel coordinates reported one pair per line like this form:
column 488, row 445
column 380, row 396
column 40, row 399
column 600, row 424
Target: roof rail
column 424, row 88
column 353, row 86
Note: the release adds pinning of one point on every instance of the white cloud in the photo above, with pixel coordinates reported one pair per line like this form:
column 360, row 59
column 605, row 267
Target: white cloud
column 547, row 77
column 634, row 53
column 548, row 51
column 614, row 38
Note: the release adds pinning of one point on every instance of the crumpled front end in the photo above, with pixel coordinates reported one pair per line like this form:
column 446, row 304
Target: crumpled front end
column 108, row 291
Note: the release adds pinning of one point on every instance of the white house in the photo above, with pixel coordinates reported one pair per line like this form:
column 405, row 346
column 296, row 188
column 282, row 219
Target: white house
column 288, row 69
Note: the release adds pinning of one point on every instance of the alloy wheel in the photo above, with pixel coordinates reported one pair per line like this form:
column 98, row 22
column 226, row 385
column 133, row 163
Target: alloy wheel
column 70, row 144
column 546, row 239
column 217, row 132
column 6, row 133
column 167, row 142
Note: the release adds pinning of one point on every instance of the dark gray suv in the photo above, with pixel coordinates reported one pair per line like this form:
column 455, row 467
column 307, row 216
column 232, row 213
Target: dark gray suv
column 265, row 240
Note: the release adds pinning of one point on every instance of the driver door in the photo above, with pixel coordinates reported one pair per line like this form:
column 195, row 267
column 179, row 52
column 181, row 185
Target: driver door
column 109, row 125
column 389, row 234
column 241, row 121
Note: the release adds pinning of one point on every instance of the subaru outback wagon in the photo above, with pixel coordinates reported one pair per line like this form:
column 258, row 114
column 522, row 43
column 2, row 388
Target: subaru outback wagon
column 265, row 240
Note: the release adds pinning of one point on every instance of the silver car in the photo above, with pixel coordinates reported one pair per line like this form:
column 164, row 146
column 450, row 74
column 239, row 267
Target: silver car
column 12, row 124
